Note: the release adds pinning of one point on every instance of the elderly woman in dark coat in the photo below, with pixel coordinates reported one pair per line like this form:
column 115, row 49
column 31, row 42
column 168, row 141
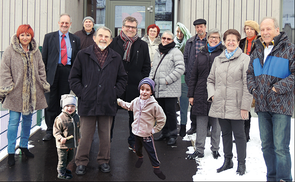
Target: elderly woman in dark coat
column 197, row 94
column 22, row 85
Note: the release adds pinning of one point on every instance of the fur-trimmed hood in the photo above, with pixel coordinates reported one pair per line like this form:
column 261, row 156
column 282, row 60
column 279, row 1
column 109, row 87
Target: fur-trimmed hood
column 16, row 45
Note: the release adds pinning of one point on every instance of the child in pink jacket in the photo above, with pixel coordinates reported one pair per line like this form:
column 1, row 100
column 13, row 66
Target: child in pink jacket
column 149, row 118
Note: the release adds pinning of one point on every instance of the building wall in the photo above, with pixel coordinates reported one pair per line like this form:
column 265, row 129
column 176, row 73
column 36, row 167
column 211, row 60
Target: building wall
column 42, row 15
column 226, row 14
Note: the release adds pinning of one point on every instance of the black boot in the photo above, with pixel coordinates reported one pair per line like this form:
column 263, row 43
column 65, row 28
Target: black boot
column 228, row 164
column 182, row 130
column 192, row 130
column 241, row 168
column 11, row 160
column 26, row 152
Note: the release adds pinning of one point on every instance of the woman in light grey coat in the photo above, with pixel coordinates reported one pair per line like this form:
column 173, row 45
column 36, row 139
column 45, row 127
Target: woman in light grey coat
column 167, row 76
column 231, row 101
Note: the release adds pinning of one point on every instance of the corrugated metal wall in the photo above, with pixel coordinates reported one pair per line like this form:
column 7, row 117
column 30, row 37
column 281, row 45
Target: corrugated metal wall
column 42, row 15
column 226, row 14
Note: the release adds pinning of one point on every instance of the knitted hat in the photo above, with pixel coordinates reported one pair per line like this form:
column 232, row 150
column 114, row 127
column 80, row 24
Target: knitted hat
column 148, row 81
column 68, row 99
column 199, row 21
column 88, row 18
column 252, row 24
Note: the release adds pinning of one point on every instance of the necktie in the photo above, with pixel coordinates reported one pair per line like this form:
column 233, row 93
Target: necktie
column 63, row 52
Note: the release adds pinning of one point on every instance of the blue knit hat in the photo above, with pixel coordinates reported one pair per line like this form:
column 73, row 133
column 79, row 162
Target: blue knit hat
column 148, row 81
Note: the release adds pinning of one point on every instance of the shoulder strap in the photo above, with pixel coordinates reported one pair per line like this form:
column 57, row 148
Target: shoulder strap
column 158, row 66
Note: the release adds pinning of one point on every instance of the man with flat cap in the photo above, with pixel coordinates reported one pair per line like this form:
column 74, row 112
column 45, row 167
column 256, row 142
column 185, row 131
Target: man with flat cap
column 190, row 54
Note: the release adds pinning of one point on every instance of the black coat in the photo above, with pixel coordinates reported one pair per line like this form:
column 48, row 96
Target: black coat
column 97, row 88
column 197, row 87
column 138, row 67
column 50, row 52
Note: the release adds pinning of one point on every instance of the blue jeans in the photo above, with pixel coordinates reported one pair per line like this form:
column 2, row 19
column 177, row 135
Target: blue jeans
column 14, row 119
column 275, row 132
column 183, row 104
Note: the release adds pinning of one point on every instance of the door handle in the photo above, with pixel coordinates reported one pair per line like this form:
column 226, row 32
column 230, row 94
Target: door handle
column 150, row 9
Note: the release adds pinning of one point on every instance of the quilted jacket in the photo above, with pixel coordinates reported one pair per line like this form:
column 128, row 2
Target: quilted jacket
column 170, row 71
column 278, row 71
column 227, row 82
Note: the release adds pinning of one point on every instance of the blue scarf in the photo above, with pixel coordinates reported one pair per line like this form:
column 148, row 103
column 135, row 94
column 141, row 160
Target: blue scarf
column 230, row 54
column 211, row 49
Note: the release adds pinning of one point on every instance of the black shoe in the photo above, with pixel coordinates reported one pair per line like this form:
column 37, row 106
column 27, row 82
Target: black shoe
column 105, row 168
column 161, row 137
column 171, row 141
column 241, row 168
column 191, row 131
column 228, row 164
column 215, row 154
column 159, row 173
column 195, row 155
column 80, row 170
column 68, row 171
column 26, row 152
column 11, row 160
column 47, row 137
column 182, row 130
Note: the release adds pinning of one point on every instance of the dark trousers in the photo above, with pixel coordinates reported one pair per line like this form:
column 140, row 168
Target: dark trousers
column 247, row 127
column 168, row 105
column 131, row 138
column 64, row 158
column 149, row 146
column 228, row 127
column 59, row 87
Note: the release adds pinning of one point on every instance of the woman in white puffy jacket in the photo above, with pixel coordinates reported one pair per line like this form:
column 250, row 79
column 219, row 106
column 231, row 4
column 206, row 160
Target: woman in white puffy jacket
column 166, row 71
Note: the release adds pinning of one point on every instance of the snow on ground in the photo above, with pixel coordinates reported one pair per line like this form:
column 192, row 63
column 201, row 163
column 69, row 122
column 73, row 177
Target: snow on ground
column 255, row 166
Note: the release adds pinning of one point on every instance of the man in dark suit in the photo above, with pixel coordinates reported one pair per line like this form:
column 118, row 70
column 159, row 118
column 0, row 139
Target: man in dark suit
column 136, row 60
column 59, row 51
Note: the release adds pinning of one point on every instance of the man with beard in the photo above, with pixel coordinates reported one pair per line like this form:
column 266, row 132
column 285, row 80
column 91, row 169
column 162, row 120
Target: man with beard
column 97, row 78
column 190, row 54
column 136, row 60
column 58, row 53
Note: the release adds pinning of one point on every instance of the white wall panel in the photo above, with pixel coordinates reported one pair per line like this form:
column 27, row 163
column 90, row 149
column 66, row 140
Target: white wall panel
column 227, row 14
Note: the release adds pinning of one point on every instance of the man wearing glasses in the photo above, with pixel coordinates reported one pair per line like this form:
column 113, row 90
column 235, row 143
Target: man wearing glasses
column 136, row 60
column 190, row 54
column 58, row 53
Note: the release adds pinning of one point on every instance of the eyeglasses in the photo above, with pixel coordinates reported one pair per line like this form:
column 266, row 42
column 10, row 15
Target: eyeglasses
column 212, row 37
column 168, row 39
column 130, row 27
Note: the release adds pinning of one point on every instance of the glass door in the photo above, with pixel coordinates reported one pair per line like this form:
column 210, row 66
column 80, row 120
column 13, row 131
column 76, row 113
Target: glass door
column 142, row 10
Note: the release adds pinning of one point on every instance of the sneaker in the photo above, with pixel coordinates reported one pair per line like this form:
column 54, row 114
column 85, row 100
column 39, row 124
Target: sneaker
column 131, row 149
column 64, row 176
column 195, row 155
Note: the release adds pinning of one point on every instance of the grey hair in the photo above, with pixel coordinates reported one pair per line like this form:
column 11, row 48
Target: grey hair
column 104, row 28
column 169, row 33
column 66, row 14
column 275, row 21
column 130, row 19
column 214, row 30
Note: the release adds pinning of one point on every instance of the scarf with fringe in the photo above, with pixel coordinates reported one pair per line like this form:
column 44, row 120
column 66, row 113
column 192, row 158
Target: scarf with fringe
column 127, row 45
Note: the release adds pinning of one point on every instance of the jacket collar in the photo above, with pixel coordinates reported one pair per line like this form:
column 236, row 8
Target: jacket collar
column 236, row 55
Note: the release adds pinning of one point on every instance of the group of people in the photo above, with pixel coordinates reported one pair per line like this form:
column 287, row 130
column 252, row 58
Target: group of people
column 147, row 76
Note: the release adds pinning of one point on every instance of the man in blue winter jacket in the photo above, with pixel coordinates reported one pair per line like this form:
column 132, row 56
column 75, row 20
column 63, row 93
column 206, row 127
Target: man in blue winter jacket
column 271, row 81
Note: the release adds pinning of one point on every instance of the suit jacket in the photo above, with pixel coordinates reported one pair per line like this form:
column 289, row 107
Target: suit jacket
column 50, row 52
column 138, row 67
